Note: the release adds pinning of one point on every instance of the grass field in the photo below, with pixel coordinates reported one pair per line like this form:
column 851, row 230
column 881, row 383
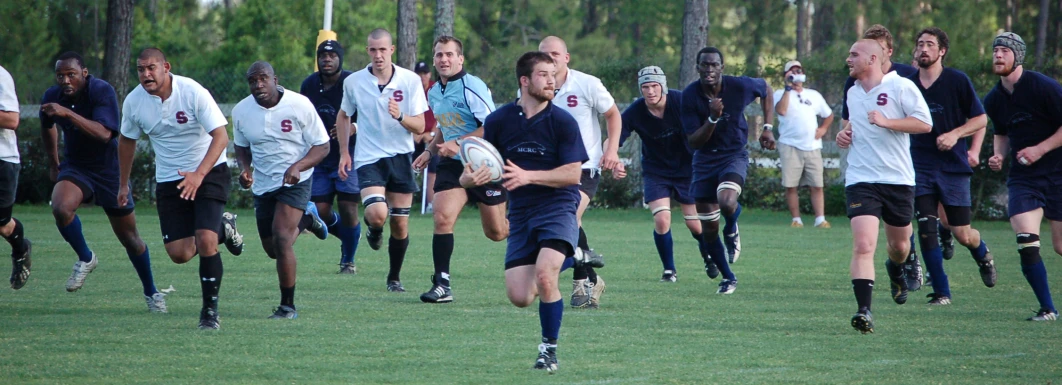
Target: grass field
column 787, row 322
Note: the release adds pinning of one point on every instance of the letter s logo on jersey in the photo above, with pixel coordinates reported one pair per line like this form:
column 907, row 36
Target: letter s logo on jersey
column 573, row 100
column 182, row 117
column 285, row 125
column 398, row 96
column 883, row 99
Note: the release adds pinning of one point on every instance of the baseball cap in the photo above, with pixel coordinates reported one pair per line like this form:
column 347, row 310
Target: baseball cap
column 791, row 64
column 421, row 68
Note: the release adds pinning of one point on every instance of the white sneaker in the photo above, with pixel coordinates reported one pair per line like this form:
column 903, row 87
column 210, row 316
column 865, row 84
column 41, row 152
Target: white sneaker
column 156, row 303
column 81, row 271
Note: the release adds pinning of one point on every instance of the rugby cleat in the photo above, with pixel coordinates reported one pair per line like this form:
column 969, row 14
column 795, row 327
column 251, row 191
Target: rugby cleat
column 596, row 289
column 20, row 267
column 156, row 303
column 348, row 268
column 899, row 282
column 233, row 238
column 863, row 321
column 580, row 293
column 284, row 312
column 438, row 293
column 711, row 269
column 317, row 225
column 395, row 287
column 1044, row 315
column 547, row 358
column 987, row 268
column 948, row 249
column 81, row 271
column 374, row 236
column 733, row 246
column 727, row 286
column 913, row 271
column 669, row 276
column 208, row 319
column 937, row 299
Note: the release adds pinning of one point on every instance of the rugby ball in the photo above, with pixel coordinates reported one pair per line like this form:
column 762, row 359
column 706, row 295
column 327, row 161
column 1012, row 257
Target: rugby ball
column 479, row 152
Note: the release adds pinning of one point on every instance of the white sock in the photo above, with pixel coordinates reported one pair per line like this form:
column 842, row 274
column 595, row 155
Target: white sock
column 797, row 220
column 819, row 220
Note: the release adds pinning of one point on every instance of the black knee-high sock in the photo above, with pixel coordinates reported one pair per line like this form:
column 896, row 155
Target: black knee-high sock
column 583, row 244
column 580, row 272
column 864, row 290
column 396, row 250
column 287, row 296
column 210, row 272
column 17, row 239
column 442, row 248
column 591, row 274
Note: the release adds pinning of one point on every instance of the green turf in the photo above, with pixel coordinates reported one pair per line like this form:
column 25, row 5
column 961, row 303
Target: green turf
column 788, row 322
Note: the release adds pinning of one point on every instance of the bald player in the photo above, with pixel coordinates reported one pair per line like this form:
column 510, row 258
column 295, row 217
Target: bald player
column 390, row 106
column 584, row 97
column 879, row 184
column 187, row 133
column 280, row 135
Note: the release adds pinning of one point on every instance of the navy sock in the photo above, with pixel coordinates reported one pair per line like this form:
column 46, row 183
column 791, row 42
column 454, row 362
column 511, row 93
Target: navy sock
column 718, row 254
column 17, row 239
column 549, row 316
column 333, row 225
column 701, row 246
column 73, row 235
column 934, row 261
column 864, row 290
column 348, row 238
column 396, row 250
column 731, row 225
column 210, row 272
column 980, row 251
column 1036, row 274
column 442, row 248
column 142, row 264
column 287, row 296
column 666, row 248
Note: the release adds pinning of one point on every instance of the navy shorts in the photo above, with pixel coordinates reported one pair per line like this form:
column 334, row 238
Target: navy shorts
column 265, row 205
column 448, row 177
column 100, row 188
column 951, row 189
column 530, row 226
column 704, row 185
column 656, row 187
column 326, row 183
column 589, row 181
column 395, row 174
column 1030, row 193
column 8, row 183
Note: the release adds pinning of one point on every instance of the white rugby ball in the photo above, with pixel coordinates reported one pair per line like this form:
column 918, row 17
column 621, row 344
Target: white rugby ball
column 479, row 153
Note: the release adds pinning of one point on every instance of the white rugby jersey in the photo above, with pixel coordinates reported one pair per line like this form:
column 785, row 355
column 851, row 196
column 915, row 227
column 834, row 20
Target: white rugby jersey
column 380, row 135
column 8, row 102
column 278, row 137
column 584, row 97
column 178, row 128
column 880, row 155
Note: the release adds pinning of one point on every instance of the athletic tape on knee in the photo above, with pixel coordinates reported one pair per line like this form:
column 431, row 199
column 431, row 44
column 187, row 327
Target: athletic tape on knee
column 728, row 186
column 373, row 199
column 711, row 217
column 400, row 211
column 659, row 209
column 1028, row 240
column 691, row 217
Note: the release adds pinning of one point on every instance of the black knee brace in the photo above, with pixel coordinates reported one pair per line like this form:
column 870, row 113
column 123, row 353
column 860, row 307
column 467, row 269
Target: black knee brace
column 1029, row 248
column 927, row 232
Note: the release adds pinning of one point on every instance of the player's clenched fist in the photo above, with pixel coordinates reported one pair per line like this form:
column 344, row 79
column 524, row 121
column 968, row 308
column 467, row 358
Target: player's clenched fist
column 844, row 138
column 392, row 107
column 246, row 179
column 995, row 162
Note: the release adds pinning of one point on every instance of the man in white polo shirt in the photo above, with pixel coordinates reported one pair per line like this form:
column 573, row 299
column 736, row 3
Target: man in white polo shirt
column 884, row 109
column 800, row 141
column 280, row 134
column 11, row 228
column 187, row 133
column 585, row 98
column 390, row 105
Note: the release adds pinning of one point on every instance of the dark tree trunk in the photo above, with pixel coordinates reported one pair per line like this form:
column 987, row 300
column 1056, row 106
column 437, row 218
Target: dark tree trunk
column 119, row 45
column 1041, row 32
column 444, row 18
column 407, row 33
column 802, row 30
column 591, row 21
column 694, row 37
column 825, row 29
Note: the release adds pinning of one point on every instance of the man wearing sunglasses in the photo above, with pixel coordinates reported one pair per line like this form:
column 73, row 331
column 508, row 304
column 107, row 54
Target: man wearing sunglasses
column 800, row 141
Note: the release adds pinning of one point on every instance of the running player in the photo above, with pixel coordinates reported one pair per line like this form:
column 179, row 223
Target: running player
column 390, row 106
column 666, row 163
column 879, row 183
column 86, row 109
column 187, row 133
column 1028, row 132
column 879, row 33
column 10, row 228
column 460, row 102
column 543, row 151
column 942, row 170
column 280, row 134
column 713, row 119
column 584, row 97
column 325, row 90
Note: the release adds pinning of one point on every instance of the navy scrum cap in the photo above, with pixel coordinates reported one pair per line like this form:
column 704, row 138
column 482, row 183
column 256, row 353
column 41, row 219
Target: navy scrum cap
column 421, row 68
column 330, row 46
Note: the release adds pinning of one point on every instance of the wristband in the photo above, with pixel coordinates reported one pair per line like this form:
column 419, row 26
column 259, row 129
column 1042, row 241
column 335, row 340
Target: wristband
column 400, row 117
column 712, row 121
column 788, row 88
column 768, row 127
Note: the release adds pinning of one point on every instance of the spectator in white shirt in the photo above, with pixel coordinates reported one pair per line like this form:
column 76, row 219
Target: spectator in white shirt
column 800, row 141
